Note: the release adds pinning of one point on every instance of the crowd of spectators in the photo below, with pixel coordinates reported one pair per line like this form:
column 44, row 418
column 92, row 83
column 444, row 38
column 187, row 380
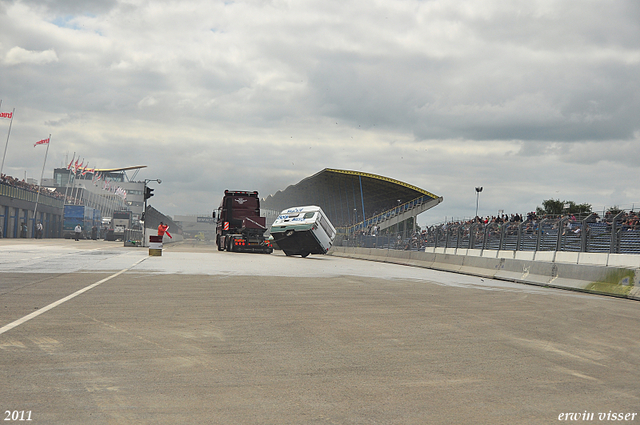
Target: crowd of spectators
column 14, row 182
column 68, row 198
column 568, row 224
column 630, row 220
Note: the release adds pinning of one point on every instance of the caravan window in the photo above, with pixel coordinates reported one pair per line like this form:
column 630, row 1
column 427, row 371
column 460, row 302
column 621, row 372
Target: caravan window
column 309, row 215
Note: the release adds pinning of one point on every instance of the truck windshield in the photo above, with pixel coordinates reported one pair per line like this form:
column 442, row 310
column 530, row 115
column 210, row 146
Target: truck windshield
column 245, row 203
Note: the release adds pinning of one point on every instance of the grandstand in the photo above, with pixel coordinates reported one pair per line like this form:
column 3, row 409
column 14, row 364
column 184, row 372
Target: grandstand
column 356, row 201
column 616, row 234
column 18, row 204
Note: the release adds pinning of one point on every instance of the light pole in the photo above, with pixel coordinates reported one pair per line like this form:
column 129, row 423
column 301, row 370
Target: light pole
column 398, row 217
column 146, row 193
column 478, row 190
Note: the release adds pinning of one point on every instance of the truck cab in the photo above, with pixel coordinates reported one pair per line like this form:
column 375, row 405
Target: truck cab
column 239, row 226
column 120, row 221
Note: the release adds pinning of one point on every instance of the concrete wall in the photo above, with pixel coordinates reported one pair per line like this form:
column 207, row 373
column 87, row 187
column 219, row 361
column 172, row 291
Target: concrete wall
column 165, row 239
column 610, row 274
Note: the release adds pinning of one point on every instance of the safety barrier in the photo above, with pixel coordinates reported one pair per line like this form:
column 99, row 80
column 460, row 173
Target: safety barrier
column 608, row 274
column 589, row 234
column 618, row 234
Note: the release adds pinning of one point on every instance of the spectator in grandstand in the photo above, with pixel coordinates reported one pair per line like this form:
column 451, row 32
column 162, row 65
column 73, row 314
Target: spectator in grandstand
column 14, row 182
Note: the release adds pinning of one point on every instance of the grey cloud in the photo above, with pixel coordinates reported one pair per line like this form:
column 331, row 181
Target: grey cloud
column 511, row 93
column 68, row 119
column 448, row 100
column 73, row 7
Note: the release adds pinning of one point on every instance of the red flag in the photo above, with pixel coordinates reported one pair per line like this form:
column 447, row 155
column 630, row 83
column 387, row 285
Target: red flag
column 42, row 142
column 8, row 115
column 71, row 163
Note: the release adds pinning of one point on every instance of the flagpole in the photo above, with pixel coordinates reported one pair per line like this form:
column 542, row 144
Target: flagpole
column 66, row 191
column 83, row 177
column 75, row 198
column 73, row 185
column 74, row 188
column 77, row 189
column 7, row 143
column 35, row 209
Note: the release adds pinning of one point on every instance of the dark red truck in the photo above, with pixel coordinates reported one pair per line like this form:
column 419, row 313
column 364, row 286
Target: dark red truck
column 239, row 227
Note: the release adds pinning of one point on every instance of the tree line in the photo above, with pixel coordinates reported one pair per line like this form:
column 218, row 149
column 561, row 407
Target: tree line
column 558, row 207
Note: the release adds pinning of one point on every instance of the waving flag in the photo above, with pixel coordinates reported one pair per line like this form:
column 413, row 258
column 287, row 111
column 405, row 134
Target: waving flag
column 71, row 163
column 121, row 192
column 42, row 142
column 7, row 115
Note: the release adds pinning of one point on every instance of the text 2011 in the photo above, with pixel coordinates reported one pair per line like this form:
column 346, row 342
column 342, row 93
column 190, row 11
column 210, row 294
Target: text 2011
column 17, row 415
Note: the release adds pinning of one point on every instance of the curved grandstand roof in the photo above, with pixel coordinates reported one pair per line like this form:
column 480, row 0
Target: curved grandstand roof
column 344, row 194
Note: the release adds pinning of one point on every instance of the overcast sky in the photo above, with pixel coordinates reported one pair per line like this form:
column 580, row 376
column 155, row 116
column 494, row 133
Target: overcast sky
column 531, row 100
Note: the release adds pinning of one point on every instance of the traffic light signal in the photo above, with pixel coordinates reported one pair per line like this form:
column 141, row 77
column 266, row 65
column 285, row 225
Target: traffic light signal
column 148, row 193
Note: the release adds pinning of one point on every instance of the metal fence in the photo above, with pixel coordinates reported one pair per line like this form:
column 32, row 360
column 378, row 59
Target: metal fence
column 133, row 237
column 613, row 234
column 388, row 215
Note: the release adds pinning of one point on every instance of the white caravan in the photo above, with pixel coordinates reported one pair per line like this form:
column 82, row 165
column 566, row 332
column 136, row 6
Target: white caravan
column 303, row 231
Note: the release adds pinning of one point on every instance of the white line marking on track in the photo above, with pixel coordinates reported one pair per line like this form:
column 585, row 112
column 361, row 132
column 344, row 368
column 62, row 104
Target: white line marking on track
column 65, row 299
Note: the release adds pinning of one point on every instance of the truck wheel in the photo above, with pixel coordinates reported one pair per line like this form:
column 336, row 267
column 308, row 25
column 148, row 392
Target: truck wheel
column 218, row 243
column 304, row 254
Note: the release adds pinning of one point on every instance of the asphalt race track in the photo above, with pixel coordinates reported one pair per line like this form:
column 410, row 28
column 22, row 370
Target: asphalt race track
column 92, row 332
